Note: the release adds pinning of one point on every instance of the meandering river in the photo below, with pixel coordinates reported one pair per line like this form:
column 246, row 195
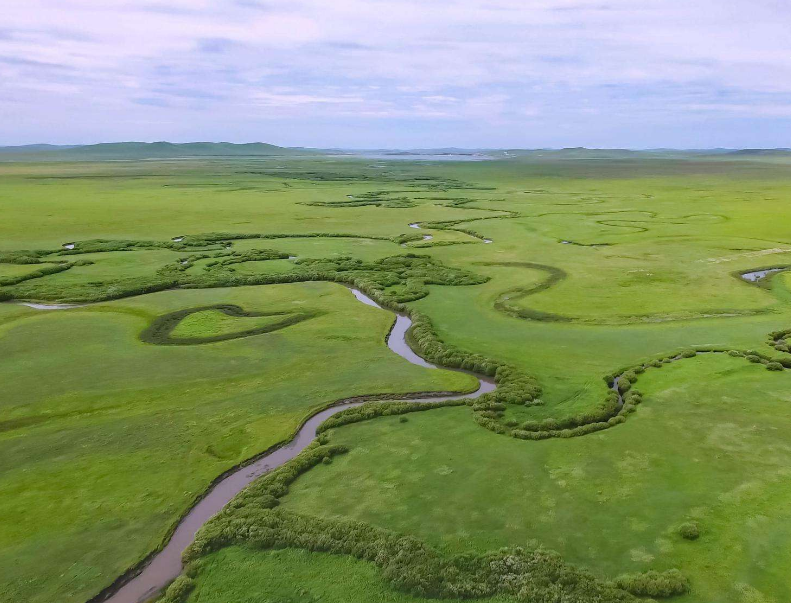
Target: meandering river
column 166, row 565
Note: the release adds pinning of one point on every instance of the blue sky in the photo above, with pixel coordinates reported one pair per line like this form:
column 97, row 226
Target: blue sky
column 399, row 73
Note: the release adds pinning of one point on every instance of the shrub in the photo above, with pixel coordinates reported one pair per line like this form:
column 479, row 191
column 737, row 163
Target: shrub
column 654, row 584
column 178, row 590
column 689, row 531
column 370, row 410
column 774, row 366
column 410, row 565
column 629, row 376
column 633, row 397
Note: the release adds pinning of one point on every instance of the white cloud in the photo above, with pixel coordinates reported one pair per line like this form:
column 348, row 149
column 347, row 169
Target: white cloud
column 502, row 63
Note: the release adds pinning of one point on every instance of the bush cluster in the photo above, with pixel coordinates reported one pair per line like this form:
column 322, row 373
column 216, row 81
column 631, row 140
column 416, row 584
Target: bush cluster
column 160, row 331
column 410, row 565
column 689, row 531
column 620, row 402
column 178, row 590
column 370, row 410
column 654, row 584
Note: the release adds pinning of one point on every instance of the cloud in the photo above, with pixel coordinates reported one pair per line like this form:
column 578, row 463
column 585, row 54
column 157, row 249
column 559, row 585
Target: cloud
column 471, row 72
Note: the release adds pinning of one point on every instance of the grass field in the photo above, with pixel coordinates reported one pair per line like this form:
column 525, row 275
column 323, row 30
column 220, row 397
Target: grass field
column 594, row 266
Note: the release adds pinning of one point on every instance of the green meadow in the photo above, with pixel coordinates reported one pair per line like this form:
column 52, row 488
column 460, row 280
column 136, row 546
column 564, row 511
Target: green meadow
column 210, row 320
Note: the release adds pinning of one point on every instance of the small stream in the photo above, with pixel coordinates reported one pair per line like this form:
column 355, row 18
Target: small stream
column 166, row 565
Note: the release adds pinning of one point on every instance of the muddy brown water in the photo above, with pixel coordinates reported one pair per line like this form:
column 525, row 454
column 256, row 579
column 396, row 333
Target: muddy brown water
column 166, row 565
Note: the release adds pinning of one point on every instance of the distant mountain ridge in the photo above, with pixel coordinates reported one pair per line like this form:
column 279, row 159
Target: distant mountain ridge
column 169, row 150
column 150, row 150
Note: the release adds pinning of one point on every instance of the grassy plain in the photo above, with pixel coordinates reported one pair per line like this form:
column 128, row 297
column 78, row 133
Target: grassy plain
column 594, row 265
column 106, row 440
column 710, row 444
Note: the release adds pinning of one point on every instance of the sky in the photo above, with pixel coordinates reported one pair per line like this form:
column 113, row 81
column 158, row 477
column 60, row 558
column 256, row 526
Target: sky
column 398, row 73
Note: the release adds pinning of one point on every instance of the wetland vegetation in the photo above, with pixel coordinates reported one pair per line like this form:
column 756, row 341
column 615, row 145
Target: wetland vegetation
column 636, row 445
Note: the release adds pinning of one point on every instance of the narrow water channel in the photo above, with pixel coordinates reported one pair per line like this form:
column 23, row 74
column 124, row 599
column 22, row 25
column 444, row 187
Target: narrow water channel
column 166, row 565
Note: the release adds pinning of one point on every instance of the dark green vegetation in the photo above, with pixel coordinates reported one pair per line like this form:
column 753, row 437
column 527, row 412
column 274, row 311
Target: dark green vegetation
column 213, row 323
column 144, row 150
column 599, row 268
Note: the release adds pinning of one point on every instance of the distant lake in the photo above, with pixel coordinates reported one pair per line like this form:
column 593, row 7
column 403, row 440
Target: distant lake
column 420, row 156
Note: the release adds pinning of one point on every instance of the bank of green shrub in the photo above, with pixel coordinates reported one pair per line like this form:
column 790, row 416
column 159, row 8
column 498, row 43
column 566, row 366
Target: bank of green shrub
column 46, row 270
column 372, row 410
column 178, row 590
column 654, row 584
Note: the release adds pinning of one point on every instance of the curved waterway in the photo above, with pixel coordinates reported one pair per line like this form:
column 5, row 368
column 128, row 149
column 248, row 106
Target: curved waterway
column 166, row 565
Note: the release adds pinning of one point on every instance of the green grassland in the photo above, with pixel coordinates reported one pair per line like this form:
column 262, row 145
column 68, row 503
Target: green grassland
column 594, row 265
column 106, row 440
column 710, row 444
column 295, row 576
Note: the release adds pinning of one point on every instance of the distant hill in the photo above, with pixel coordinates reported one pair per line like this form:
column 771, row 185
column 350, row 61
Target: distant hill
column 146, row 150
column 583, row 153
column 34, row 148
column 586, row 153
column 761, row 152
column 169, row 150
